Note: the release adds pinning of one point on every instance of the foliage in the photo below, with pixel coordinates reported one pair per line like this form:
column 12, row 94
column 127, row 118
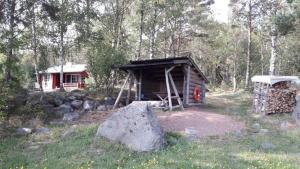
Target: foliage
column 285, row 23
column 101, row 61
column 3, row 102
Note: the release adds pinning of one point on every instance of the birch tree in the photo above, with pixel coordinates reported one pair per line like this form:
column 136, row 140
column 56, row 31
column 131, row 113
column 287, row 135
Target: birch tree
column 60, row 13
column 142, row 10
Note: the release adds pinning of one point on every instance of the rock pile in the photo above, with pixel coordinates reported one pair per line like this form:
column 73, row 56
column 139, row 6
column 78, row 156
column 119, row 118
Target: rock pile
column 136, row 126
column 68, row 106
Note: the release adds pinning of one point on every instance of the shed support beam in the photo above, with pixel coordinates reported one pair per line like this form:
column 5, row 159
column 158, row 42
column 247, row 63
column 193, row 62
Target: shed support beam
column 175, row 91
column 140, row 85
column 168, row 89
column 121, row 91
column 129, row 89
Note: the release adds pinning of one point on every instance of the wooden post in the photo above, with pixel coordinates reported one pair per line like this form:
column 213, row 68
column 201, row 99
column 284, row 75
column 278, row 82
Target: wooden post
column 136, row 86
column 184, row 85
column 129, row 90
column 140, row 85
column 168, row 89
column 120, row 93
column 188, row 84
column 175, row 90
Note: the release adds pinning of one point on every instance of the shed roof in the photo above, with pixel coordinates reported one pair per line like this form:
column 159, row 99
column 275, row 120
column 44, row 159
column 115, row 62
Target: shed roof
column 67, row 68
column 273, row 79
column 154, row 63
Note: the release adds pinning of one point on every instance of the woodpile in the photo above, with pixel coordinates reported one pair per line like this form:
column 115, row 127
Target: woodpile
column 281, row 101
column 276, row 98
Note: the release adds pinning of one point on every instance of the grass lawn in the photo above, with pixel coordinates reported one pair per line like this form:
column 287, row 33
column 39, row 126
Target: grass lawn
column 235, row 150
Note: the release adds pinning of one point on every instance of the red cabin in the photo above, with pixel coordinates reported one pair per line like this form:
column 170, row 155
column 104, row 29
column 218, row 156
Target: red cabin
column 74, row 76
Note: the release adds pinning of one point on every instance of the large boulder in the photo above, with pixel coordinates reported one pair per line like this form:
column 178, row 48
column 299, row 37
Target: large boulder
column 135, row 126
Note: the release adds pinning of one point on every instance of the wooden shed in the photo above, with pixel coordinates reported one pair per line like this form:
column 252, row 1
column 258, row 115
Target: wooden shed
column 176, row 82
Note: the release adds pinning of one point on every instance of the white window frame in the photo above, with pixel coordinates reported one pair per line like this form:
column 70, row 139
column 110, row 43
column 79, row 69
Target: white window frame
column 71, row 78
column 47, row 78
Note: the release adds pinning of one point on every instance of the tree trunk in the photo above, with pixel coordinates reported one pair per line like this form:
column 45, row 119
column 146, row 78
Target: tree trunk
column 88, row 16
column 262, row 57
column 115, row 25
column 9, row 60
column 274, row 35
column 120, row 23
column 34, row 47
column 248, row 62
column 165, row 37
column 153, row 33
column 138, row 56
column 234, row 67
column 61, row 52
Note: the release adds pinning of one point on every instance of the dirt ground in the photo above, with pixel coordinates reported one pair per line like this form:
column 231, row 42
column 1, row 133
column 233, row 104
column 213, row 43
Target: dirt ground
column 202, row 122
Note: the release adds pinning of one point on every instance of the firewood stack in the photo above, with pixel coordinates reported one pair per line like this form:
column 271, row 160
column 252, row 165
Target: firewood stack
column 276, row 98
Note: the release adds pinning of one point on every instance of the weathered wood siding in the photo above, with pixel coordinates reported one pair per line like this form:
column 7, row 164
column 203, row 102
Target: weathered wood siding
column 153, row 81
column 195, row 81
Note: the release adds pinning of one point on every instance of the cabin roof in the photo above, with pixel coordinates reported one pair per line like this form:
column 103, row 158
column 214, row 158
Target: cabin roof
column 273, row 79
column 158, row 63
column 67, row 68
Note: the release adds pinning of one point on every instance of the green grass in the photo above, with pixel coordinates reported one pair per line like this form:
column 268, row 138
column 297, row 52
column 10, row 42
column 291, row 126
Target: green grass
column 83, row 150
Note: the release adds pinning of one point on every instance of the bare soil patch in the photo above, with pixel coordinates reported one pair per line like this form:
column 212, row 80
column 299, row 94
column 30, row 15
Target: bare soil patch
column 205, row 123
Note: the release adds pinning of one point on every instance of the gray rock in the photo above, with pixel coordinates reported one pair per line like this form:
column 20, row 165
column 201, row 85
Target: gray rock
column 42, row 130
column 191, row 133
column 63, row 109
column 267, row 145
column 109, row 101
column 256, row 126
column 57, row 122
column 101, row 108
column 88, row 105
column 71, row 116
column 238, row 134
column 69, row 132
column 58, row 101
column 76, row 104
column 109, row 107
column 78, row 95
column 135, row 126
column 48, row 108
column 71, row 98
column 23, row 131
column 264, row 131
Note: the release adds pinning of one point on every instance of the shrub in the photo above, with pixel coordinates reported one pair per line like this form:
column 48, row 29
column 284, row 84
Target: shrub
column 100, row 63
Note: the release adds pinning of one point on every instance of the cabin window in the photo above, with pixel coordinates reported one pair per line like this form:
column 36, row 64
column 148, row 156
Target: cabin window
column 74, row 78
column 46, row 79
column 71, row 78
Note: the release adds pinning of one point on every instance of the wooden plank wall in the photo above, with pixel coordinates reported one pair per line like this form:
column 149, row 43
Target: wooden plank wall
column 154, row 81
column 196, row 81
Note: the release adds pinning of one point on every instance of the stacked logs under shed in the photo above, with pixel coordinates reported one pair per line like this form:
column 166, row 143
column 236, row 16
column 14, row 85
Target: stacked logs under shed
column 276, row 98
